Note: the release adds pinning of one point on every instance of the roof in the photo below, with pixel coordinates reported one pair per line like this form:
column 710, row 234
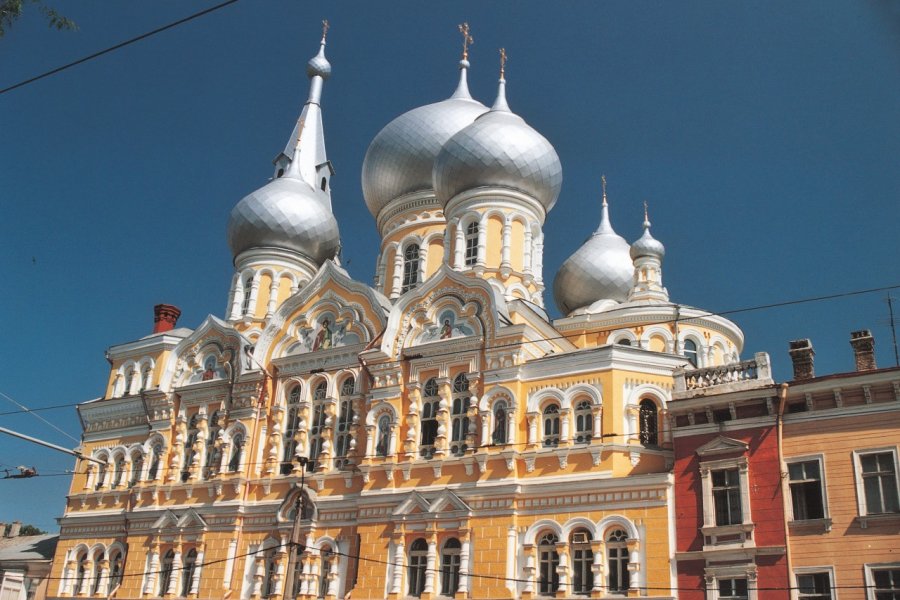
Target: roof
column 28, row 547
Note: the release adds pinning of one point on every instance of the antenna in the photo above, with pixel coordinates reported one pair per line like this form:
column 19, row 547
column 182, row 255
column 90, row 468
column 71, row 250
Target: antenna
column 890, row 303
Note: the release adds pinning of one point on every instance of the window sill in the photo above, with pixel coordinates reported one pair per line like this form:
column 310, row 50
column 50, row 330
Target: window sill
column 719, row 536
column 879, row 519
column 811, row 525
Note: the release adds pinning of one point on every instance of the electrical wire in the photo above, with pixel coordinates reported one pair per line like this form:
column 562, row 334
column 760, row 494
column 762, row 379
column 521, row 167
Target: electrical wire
column 118, row 46
column 36, row 416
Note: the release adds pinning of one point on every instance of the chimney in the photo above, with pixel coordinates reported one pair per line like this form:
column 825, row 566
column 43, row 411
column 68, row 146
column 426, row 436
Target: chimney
column 802, row 355
column 165, row 316
column 863, row 350
column 2, row 529
column 14, row 529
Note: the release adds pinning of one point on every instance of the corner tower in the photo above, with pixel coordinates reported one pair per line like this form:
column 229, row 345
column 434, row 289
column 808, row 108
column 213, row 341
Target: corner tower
column 283, row 232
column 497, row 179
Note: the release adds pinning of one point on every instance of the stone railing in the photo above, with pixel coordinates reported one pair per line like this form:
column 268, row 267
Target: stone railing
column 744, row 375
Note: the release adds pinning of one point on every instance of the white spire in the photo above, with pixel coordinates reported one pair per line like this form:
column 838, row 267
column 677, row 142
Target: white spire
column 500, row 104
column 605, row 225
column 462, row 90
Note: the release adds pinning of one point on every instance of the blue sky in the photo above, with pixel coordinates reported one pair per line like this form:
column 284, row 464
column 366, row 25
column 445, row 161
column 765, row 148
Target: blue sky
column 765, row 137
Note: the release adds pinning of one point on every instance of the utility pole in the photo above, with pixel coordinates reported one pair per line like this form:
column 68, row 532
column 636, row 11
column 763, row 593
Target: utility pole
column 28, row 438
column 295, row 534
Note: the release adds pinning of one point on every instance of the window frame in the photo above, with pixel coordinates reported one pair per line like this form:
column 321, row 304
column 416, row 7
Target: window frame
column 710, row 529
column 861, row 499
column 470, row 247
column 450, row 566
column 416, row 584
column 804, row 571
column 409, row 278
column 553, row 438
column 820, row 459
column 870, row 570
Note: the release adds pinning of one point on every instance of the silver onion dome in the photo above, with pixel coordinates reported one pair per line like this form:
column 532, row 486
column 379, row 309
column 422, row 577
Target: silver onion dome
column 601, row 269
column 293, row 212
column 400, row 158
column 499, row 150
column 647, row 245
column 285, row 214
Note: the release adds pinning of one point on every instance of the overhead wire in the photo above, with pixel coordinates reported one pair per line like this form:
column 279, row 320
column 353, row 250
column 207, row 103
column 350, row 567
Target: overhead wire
column 118, row 46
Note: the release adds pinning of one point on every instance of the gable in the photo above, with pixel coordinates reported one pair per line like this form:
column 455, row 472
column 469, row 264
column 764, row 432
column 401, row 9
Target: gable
column 722, row 445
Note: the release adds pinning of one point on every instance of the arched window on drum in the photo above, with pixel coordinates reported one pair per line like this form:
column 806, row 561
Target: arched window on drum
column 649, row 423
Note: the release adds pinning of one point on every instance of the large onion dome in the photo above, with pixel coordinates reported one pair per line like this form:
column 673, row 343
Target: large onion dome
column 600, row 270
column 499, row 150
column 293, row 212
column 400, row 158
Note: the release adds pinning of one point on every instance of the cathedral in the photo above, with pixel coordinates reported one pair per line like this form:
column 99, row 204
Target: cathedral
column 434, row 434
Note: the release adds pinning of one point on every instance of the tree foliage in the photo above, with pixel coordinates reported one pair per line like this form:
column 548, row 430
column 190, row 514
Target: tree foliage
column 31, row 530
column 11, row 10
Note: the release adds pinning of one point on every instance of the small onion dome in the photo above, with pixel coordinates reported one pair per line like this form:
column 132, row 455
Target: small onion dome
column 284, row 214
column 647, row 245
column 499, row 150
column 400, row 158
column 601, row 269
column 318, row 64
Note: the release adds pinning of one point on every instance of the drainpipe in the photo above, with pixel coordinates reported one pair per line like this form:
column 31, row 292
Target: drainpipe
column 782, row 394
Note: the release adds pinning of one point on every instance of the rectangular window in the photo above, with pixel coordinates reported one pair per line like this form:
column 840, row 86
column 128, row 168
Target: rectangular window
column 886, row 583
column 733, row 589
column 814, row 586
column 726, row 489
column 878, row 471
column 807, row 497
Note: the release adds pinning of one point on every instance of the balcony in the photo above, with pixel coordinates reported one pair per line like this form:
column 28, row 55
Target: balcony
column 745, row 375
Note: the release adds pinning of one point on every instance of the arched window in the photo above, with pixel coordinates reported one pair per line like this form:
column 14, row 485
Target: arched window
column 98, row 577
column 459, row 422
column 165, row 572
column 145, row 377
column 126, row 382
column 213, row 450
column 617, row 578
column 323, row 184
column 450, row 557
column 429, row 424
column 237, row 445
column 118, row 471
column 155, row 460
column 418, row 561
column 498, row 436
column 324, row 570
column 81, row 574
column 116, row 568
column 187, row 571
column 248, row 286
column 189, row 449
column 472, row 243
column 101, row 473
column 584, row 422
column 690, row 352
column 410, row 268
column 649, row 423
column 551, row 426
column 317, row 426
column 582, row 561
column 271, row 566
column 624, row 342
column 290, row 430
column 383, row 439
column 344, row 423
column 137, row 467
column 548, row 561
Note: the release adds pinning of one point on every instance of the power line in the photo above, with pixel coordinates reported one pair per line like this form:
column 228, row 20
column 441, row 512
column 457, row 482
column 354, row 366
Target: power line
column 117, row 46
column 36, row 416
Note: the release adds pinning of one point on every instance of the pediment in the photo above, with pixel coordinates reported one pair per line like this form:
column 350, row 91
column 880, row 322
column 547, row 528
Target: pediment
column 447, row 501
column 191, row 520
column 413, row 505
column 215, row 351
column 168, row 520
column 722, row 445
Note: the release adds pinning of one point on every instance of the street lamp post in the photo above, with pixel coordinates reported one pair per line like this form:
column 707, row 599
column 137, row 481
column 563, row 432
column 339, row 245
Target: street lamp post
column 295, row 534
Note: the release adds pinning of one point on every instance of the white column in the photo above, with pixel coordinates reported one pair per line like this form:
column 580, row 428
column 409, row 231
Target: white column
column 431, row 559
column 399, row 565
column 150, row 584
column 423, row 259
column 633, row 568
column 195, row 579
column 532, row 428
column 463, row 567
column 371, row 433
column 254, row 293
column 234, row 310
column 229, row 563
column 485, row 427
column 482, row 241
column 510, row 425
column 537, row 258
column 598, row 422
column 176, row 573
column 506, row 243
column 528, row 572
column 563, row 569
column 379, row 270
column 564, row 418
column 597, row 569
column 273, row 296
column 103, row 588
column 69, row 579
column 398, row 272
column 333, row 577
column 526, row 262
column 259, row 573
column 460, row 247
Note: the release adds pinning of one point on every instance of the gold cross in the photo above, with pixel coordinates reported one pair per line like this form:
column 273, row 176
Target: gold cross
column 502, row 62
column 646, row 218
column 603, row 183
column 325, row 27
column 467, row 39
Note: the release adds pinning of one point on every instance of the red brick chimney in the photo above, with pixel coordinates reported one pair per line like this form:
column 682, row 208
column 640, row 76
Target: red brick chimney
column 802, row 355
column 863, row 350
column 14, row 529
column 165, row 316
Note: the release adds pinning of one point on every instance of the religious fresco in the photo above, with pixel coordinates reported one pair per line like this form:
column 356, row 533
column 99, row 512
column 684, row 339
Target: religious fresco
column 212, row 368
column 448, row 326
column 327, row 332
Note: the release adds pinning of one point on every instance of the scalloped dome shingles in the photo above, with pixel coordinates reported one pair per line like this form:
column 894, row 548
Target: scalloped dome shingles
column 401, row 157
column 499, row 150
column 284, row 213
